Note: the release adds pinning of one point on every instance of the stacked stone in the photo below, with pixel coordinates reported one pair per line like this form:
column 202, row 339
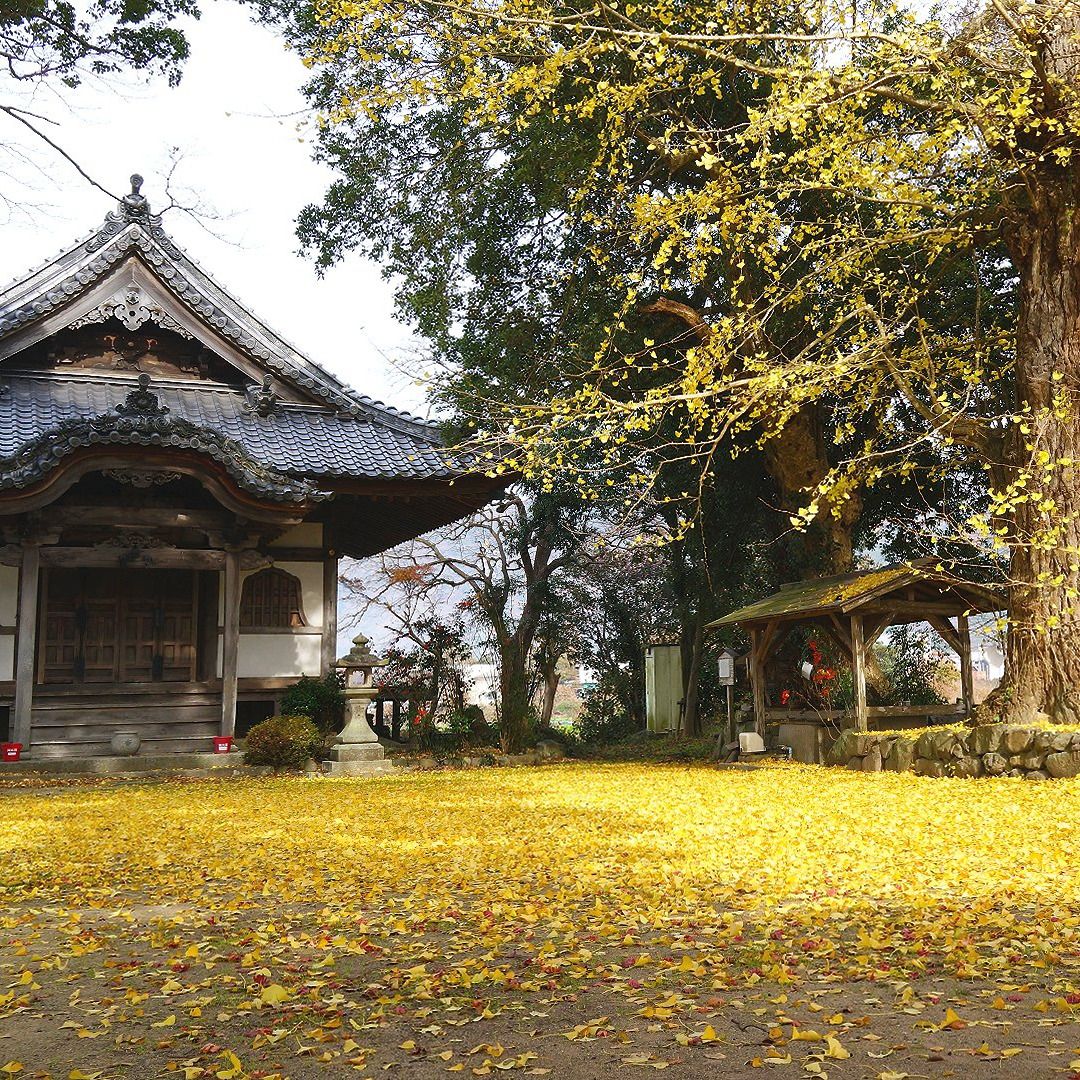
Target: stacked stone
column 988, row 750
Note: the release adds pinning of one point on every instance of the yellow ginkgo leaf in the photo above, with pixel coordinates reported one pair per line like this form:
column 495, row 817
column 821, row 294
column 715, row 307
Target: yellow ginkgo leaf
column 952, row 1022
column 274, row 994
column 834, row 1049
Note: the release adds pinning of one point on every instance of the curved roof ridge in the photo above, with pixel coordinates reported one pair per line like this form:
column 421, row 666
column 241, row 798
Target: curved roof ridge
column 198, row 386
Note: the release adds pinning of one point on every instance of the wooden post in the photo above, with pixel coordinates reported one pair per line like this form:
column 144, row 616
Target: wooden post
column 967, row 681
column 329, row 624
column 858, row 671
column 230, row 644
column 757, row 679
column 26, row 651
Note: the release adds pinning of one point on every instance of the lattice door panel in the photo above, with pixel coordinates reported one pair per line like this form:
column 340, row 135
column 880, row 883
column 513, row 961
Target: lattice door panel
column 176, row 630
column 61, row 652
column 101, row 641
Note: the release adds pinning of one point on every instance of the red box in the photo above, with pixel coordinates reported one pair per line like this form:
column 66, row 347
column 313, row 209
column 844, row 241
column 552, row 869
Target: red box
column 10, row 751
column 222, row 744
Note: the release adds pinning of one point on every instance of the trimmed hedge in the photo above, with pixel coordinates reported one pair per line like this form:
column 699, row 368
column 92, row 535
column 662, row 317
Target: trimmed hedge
column 281, row 741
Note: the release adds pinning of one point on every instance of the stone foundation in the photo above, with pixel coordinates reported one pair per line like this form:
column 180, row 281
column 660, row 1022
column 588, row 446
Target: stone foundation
column 989, row 750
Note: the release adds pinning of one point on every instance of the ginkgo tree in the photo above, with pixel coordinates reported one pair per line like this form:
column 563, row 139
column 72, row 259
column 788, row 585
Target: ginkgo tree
column 842, row 164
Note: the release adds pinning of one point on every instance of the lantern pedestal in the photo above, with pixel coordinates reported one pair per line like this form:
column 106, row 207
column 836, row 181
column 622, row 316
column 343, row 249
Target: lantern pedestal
column 358, row 751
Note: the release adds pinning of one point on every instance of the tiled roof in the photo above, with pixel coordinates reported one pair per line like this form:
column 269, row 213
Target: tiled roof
column 303, row 440
column 131, row 231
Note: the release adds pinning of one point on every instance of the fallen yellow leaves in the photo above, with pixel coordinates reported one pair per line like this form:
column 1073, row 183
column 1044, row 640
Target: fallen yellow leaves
column 285, row 912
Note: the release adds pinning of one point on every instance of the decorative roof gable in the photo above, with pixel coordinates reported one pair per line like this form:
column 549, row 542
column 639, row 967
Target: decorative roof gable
column 131, row 269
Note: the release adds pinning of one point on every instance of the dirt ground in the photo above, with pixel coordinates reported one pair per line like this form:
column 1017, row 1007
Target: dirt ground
column 120, row 1011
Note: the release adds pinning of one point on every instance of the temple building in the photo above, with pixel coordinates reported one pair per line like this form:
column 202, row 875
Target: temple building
column 177, row 485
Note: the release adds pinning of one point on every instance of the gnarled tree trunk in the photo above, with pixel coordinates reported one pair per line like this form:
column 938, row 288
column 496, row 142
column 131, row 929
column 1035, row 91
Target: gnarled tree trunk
column 1043, row 655
column 515, row 706
column 550, row 687
column 798, row 462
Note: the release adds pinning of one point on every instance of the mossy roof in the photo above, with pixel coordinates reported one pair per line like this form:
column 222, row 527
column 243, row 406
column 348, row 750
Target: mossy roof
column 846, row 592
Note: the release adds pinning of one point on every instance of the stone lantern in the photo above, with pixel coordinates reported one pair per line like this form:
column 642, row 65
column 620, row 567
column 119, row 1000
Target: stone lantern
column 358, row 749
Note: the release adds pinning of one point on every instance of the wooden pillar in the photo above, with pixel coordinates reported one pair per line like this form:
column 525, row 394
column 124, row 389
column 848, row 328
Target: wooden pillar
column 230, row 644
column 26, row 651
column 757, row 679
column 330, row 604
column 967, row 681
column 858, row 671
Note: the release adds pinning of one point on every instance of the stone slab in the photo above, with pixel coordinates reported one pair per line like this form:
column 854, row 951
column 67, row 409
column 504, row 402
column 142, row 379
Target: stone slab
column 807, row 741
column 118, row 766
column 357, row 768
column 357, row 752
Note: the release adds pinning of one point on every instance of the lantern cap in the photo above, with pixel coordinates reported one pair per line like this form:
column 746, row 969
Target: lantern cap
column 360, row 656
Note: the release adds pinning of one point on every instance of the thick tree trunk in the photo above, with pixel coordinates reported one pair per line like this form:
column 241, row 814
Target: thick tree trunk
column 798, row 462
column 515, row 712
column 1043, row 654
column 550, row 688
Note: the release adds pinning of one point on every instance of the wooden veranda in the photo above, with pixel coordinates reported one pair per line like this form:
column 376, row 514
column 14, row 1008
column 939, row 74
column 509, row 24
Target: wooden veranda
column 854, row 610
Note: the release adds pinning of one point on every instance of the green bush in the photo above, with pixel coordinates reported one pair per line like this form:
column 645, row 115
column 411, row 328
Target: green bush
column 322, row 701
column 470, row 726
column 915, row 663
column 281, row 741
column 603, row 720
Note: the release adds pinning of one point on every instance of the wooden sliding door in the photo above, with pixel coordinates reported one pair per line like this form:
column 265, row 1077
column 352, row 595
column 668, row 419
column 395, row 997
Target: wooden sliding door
column 118, row 626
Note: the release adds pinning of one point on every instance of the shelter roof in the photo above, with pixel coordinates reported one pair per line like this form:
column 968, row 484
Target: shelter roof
column 912, row 583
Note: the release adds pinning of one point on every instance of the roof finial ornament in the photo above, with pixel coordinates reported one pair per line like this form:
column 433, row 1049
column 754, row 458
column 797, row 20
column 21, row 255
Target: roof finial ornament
column 134, row 206
column 142, row 401
column 262, row 401
column 133, row 209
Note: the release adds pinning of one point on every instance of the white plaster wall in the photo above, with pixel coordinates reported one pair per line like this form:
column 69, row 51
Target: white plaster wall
column 279, row 655
column 311, row 577
column 7, row 656
column 275, row 656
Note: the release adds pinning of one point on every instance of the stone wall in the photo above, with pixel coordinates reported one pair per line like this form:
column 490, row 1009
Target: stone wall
column 990, row 750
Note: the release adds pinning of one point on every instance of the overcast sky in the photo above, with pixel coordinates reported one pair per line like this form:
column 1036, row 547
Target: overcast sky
column 233, row 120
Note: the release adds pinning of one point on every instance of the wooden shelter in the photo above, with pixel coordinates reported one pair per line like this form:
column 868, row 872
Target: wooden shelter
column 854, row 610
column 177, row 485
